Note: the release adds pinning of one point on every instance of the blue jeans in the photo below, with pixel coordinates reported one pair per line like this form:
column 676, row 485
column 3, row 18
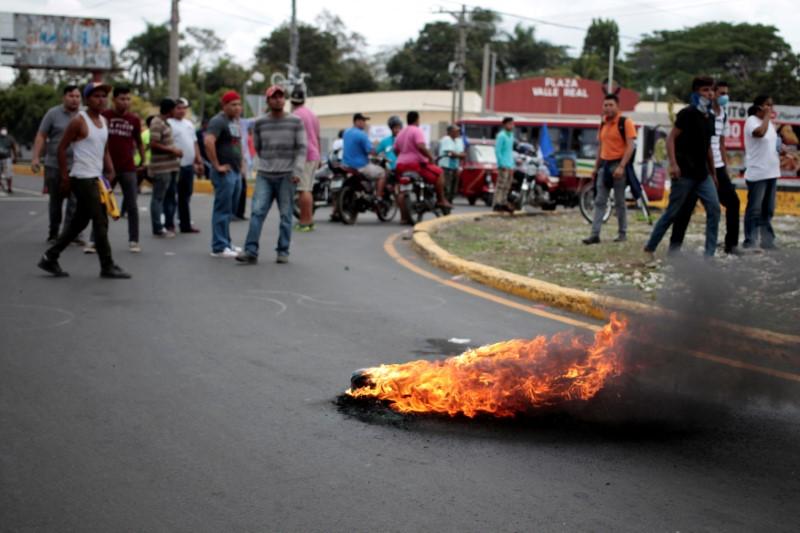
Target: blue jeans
column 279, row 188
column 759, row 211
column 170, row 202
column 226, row 194
column 681, row 192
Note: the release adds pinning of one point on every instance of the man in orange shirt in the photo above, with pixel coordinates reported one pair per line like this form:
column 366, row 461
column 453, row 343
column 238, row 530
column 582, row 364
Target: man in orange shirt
column 615, row 151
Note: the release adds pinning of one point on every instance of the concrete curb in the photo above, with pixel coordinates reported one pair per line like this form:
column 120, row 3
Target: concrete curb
column 573, row 300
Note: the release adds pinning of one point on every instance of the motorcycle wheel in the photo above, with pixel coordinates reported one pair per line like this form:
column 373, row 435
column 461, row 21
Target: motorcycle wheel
column 387, row 209
column 347, row 205
column 586, row 204
column 488, row 199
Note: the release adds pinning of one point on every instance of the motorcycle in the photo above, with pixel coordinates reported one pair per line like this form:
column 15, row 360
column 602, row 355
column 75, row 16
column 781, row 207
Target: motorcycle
column 358, row 195
column 533, row 186
column 419, row 197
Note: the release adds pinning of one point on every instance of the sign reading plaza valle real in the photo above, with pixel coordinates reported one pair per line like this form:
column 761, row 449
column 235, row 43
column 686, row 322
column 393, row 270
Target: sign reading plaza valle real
column 557, row 87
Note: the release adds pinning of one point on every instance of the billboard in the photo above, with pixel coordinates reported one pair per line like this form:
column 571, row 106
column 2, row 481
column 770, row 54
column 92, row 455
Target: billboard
column 48, row 41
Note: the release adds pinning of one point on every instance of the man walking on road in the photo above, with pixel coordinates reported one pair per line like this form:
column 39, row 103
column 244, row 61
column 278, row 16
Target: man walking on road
column 691, row 165
column 9, row 152
column 306, row 185
column 164, row 165
column 88, row 135
column 504, row 149
column 125, row 139
column 280, row 141
column 183, row 132
column 725, row 188
column 48, row 137
column 223, row 142
column 451, row 152
column 617, row 144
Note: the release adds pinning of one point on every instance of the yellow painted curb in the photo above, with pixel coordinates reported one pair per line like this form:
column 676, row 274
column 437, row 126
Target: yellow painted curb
column 577, row 301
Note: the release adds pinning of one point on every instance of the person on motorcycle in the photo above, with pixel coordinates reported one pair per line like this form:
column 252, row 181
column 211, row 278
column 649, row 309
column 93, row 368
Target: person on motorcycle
column 386, row 146
column 357, row 149
column 413, row 156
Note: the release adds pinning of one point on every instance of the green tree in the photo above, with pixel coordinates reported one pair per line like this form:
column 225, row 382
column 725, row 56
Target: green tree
column 22, row 108
column 146, row 56
column 422, row 62
column 600, row 37
column 523, row 55
column 332, row 57
column 753, row 58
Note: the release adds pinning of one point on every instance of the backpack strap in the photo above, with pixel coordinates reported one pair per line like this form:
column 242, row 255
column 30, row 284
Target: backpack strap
column 621, row 126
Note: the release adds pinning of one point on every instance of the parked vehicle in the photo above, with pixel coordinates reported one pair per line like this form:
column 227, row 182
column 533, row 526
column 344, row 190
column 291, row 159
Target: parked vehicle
column 357, row 195
column 533, row 186
column 479, row 172
column 419, row 197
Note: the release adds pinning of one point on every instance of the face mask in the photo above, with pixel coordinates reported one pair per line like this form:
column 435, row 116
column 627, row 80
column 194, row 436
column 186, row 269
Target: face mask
column 723, row 100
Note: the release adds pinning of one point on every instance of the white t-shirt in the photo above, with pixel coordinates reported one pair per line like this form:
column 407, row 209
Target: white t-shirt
column 762, row 160
column 721, row 130
column 183, row 133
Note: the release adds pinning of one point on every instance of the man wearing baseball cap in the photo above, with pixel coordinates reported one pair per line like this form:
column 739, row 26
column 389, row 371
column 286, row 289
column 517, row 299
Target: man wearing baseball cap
column 357, row 149
column 280, row 141
column 87, row 133
column 223, row 142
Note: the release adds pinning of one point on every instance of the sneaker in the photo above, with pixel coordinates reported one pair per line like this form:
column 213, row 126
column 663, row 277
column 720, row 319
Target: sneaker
column 115, row 272
column 236, row 249
column 734, row 250
column 226, row 253
column 52, row 266
column 79, row 242
column 89, row 248
column 594, row 239
column 621, row 238
column 191, row 230
column 282, row 259
column 134, row 247
column 246, row 258
column 164, row 234
column 304, row 228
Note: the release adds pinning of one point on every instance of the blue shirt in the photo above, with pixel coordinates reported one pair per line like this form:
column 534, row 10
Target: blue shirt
column 386, row 147
column 504, row 149
column 448, row 144
column 356, row 148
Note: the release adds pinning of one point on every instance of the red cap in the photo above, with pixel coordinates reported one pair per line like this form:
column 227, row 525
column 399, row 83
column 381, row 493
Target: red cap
column 230, row 96
column 275, row 89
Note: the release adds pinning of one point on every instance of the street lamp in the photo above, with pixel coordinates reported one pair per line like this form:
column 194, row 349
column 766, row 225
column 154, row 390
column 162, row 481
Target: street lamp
column 655, row 92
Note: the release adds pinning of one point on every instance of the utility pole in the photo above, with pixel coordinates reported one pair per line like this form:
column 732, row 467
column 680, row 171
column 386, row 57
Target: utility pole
column 487, row 54
column 173, row 80
column 294, row 46
column 611, row 70
column 460, row 69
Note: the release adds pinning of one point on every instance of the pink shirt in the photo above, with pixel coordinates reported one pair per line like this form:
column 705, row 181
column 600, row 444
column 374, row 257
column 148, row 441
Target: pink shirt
column 406, row 146
column 311, row 125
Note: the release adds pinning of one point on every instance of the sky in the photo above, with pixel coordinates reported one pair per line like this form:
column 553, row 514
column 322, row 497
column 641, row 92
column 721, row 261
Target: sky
column 242, row 23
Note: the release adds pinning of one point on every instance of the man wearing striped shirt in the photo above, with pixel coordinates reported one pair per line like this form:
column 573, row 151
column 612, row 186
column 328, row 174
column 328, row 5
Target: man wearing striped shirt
column 280, row 141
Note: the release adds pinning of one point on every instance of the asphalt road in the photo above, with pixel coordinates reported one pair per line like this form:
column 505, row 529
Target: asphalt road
column 200, row 396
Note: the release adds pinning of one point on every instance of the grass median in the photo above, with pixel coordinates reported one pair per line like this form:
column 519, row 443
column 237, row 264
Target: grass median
column 549, row 248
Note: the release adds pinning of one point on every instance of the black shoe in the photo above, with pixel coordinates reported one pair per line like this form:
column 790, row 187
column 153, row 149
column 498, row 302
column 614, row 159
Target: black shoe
column 621, row 238
column 247, row 259
column 591, row 240
column 52, row 266
column 114, row 272
column 79, row 242
column 734, row 250
column 500, row 209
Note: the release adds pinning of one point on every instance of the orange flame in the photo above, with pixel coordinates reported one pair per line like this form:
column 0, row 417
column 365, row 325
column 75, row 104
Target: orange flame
column 500, row 379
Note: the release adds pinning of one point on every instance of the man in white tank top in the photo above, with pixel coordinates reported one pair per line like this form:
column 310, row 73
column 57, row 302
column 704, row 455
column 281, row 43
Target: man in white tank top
column 87, row 133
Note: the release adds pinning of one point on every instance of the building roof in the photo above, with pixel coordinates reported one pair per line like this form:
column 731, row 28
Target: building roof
column 390, row 102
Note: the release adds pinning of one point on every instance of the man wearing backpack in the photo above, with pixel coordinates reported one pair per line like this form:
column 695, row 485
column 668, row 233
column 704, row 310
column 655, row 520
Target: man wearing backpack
column 617, row 138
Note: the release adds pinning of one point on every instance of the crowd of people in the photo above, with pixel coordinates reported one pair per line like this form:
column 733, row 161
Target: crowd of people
column 88, row 152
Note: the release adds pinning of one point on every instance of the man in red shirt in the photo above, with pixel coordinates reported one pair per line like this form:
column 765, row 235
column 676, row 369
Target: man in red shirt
column 124, row 138
column 413, row 156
